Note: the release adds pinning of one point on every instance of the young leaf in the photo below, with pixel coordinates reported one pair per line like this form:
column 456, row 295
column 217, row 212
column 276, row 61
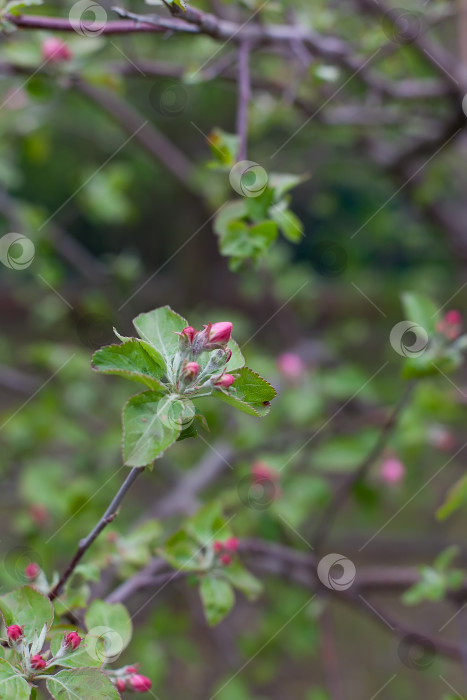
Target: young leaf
column 159, row 328
column 80, row 683
column 420, row 310
column 12, row 685
column 27, row 607
column 182, row 552
column 130, row 360
column 150, row 425
column 237, row 360
column 218, row 598
column 289, row 224
column 455, row 498
column 250, row 393
column 110, row 629
column 241, row 578
column 206, row 523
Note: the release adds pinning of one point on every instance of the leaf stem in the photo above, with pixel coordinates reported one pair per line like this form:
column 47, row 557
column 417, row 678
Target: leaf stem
column 107, row 518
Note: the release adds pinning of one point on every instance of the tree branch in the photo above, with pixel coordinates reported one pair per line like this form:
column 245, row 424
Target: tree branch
column 244, row 96
column 107, row 518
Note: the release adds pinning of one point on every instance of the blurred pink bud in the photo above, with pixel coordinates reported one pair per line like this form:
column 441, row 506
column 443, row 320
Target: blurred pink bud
column 291, row 365
column 219, row 332
column 260, row 471
column 37, row 662
column 450, row 325
column 39, row 514
column 73, row 640
column 14, row 632
column 392, row 471
column 191, row 370
column 441, row 438
column 225, row 559
column 55, row 50
column 217, row 546
column 232, row 544
column 225, row 381
column 120, row 684
column 131, row 669
column 32, row 571
column 140, row 684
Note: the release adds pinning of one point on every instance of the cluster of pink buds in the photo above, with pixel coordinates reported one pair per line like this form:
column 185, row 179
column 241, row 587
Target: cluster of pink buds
column 225, row 550
column 54, row 50
column 72, row 640
column 450, row 325
column 214, row 336
column 130, row 679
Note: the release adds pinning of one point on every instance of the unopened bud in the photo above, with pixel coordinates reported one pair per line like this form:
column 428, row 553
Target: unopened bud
column 225, row 381
column 225, row 559
column 32, row 571
column 120, row 684
column 37, row 662
column 140, row 684
column 72, row 640
column 55, row 50
column 232, row 544
column 15, row 632
column 392, row 471
column 191, row 370
column 450, row 325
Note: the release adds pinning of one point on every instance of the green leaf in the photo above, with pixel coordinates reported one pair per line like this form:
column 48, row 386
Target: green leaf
column 455, row 498
column 130, row 360
column 110, row 629
column 289, row 224
column 27, row 607
column 218, row 598
column 12, row 685
column 182, row 552
column 250, row 393
column 244, row 242
column 224, row 148
column 237, row 360
column 81, row 683
column 281, row 183
column 150, row 426
column 206, row 523
column 159, row 328
column 232, row 211
column 241, row 578
column 420, row 310
column 13, row 6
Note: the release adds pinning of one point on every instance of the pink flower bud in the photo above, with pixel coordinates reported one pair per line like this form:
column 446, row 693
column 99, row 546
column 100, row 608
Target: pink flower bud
column 225, row 381
column 15, row 632
column 55, row 50
column 260, row 471
column 37, row 662
column 191, row 370
column 72, row 640
column 217, row 547
column 219, row 332
column 131, row 669
column 450, row 325
column 120, row 684
column 225, row 559
column 188, row 334
column 140, row 684
column 232, row 544
column 291, row 365
column 32, row 571
column 392, row 471
column 441, row 438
